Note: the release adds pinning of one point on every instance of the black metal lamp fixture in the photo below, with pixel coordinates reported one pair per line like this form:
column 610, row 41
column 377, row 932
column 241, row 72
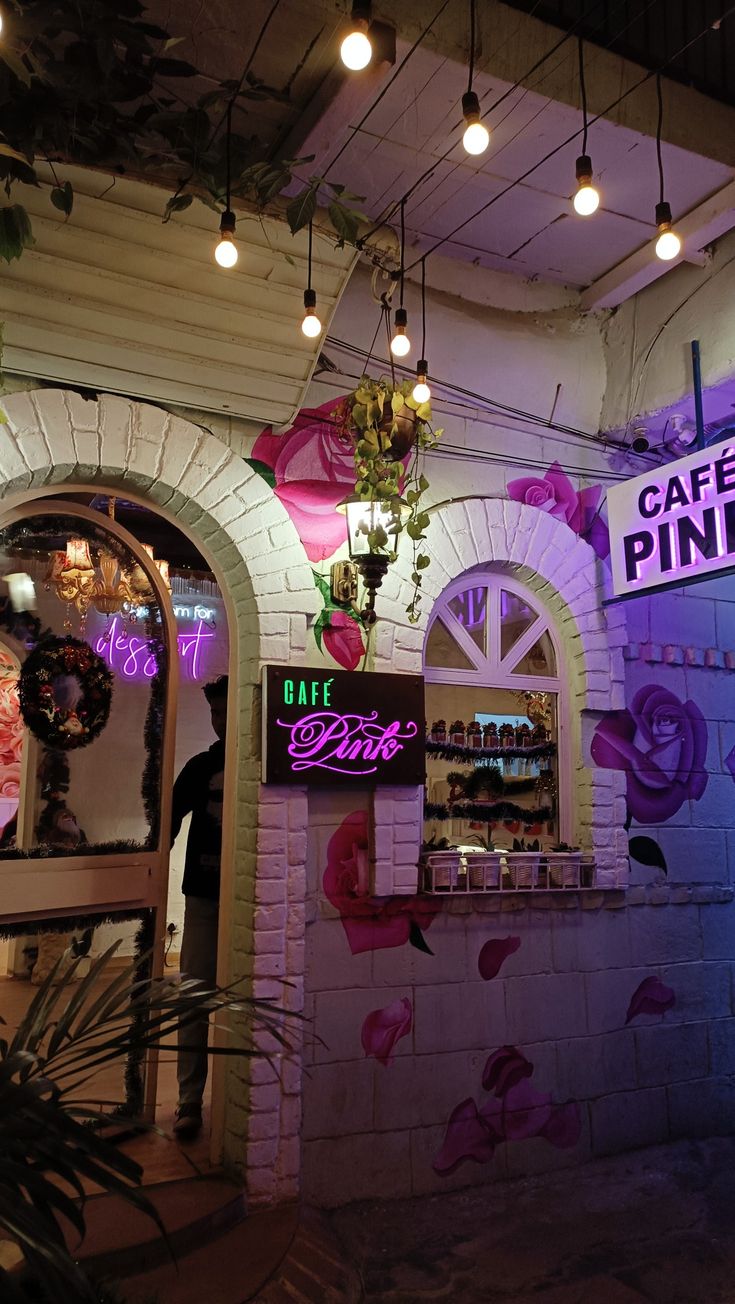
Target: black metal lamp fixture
column 668, row 243
column 225, row 251
column 587, row 198
column 364, row 517
column 476, row 136
column 356, row 50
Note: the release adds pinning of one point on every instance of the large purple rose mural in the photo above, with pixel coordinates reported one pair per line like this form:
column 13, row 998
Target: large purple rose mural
column 579, row 509
column 661, row 743
column 370, row 923
column 311, row 467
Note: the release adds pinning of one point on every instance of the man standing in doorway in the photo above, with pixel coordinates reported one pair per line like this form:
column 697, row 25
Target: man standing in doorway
column 198, row 790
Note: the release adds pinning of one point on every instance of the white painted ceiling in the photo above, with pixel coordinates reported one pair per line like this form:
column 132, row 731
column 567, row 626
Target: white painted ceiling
column 532, row 231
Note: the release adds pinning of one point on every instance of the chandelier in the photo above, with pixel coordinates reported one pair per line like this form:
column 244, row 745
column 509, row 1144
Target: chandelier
column 108, row 586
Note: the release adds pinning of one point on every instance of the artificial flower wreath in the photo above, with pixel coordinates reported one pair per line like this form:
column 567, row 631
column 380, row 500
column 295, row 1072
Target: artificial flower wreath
column 57, row 723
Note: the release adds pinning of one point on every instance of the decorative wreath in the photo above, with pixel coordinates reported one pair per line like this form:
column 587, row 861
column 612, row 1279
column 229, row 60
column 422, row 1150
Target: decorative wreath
column 51, row 721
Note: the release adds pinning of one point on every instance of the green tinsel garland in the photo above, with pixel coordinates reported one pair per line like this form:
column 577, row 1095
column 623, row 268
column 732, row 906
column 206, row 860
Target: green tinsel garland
column 487, row 811
column 455, row 752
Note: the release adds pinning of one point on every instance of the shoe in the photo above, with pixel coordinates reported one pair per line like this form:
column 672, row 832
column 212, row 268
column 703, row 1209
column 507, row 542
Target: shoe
column 188, row 1121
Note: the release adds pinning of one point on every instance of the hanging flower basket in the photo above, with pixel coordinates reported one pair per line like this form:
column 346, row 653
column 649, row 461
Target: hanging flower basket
column 65, row 693
column 390, row 432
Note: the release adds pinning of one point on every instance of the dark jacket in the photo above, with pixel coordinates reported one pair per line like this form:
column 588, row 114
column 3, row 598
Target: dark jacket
column 199, row 789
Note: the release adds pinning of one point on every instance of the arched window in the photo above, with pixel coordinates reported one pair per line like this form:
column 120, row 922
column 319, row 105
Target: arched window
column 492, row 663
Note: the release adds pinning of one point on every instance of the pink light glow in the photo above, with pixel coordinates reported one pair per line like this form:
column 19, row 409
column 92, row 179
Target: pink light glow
column 327, row 736
column 131, row 657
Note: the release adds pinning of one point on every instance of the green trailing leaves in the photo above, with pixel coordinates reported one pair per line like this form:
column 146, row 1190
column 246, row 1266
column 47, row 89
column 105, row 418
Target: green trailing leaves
column 263, row 470
column 301, row 210
column 15, row 231
column 176, row 204
column 62, row 197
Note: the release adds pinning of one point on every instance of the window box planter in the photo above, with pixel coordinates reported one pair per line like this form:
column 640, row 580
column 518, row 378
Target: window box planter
column 483, row 870
column 443, row 869
column 522, row 868
column 564, row 868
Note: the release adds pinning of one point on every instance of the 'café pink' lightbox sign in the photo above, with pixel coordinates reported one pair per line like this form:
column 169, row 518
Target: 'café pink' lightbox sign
column 330, row 728
column 675, row 524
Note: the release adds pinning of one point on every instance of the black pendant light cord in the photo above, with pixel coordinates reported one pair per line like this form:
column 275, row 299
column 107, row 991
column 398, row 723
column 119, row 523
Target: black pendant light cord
column 228, row 159
column 583, row 93
column 403, row 244
column 423, row 308
column 309, row 260
column 472, row 46
column 658, row 137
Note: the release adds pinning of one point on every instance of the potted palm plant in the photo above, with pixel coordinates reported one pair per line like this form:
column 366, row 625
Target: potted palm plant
column 47, row 1145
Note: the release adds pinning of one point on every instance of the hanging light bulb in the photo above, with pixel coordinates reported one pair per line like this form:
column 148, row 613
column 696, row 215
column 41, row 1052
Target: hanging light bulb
column 587, row 198
column 476, row 136
column 356, row 50
column 225, row 251
column 421, row 391
column 400, row 345
column 668, row 244
column 311, row 325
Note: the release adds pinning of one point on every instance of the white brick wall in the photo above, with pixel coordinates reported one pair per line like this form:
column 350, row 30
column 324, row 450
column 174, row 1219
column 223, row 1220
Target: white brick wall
column 54, row 436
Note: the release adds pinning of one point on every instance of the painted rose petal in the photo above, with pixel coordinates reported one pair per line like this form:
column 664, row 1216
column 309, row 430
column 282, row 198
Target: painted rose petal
column 466, row 1137
column 650, row 997
column 381, row 1029
column 342, row 638
column 504, row 1069
column 526, row 1111
column 730, row 762
column 494, row 953
column 564, row 1126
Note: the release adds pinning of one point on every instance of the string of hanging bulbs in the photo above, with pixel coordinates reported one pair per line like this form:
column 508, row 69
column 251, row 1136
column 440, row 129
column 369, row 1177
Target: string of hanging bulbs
column 356, row 52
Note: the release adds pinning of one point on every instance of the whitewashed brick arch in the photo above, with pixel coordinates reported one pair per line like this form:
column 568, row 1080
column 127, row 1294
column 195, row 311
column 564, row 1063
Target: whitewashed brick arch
column 563, row 570
column 54, row 437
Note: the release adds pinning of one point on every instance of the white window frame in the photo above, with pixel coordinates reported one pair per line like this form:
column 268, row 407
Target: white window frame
column 494, row 671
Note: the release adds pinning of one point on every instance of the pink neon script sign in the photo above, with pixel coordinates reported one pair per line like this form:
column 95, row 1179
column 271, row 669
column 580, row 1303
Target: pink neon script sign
column 132, row 657
column 326, row 740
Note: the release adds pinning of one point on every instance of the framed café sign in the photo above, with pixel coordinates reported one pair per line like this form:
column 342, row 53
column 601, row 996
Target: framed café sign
column 675, row 525
column 331, row 728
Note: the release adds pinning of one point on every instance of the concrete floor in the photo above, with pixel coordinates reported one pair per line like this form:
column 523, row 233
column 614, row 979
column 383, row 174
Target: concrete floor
column 657, row 1225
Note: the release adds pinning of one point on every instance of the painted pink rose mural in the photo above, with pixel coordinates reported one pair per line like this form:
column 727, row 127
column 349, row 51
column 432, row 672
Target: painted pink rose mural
column 370, row 923
column 311, row 469
column 661, row 744
column 579, row 509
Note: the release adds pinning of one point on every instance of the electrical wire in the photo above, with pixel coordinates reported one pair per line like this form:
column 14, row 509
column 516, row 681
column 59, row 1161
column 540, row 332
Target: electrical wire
column 583, row 93
column 659, row 129
column 473, row 23
column 419, row 40
column 551, row 153
column 393, row 207
column 423, row 308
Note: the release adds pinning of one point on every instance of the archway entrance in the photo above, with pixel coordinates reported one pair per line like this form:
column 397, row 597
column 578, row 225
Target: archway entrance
column 84, row 859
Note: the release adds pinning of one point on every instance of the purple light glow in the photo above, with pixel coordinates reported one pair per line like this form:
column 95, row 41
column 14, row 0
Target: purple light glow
column 131, row 657
column 327, row 736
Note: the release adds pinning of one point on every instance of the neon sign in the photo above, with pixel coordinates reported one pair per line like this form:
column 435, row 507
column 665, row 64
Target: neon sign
column 132, row 658
column 675, row 525
column 328, row 729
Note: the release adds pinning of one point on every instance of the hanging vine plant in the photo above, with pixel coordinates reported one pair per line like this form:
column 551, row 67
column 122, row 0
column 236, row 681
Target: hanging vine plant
column 391, row 432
